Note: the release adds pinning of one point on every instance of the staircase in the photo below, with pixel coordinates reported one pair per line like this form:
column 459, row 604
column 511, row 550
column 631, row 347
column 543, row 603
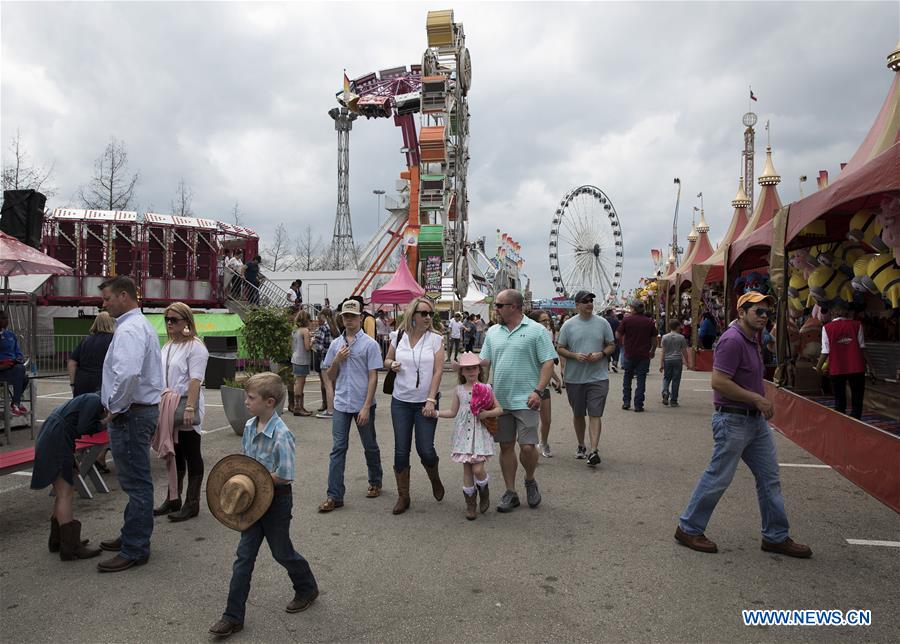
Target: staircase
column 241, row 296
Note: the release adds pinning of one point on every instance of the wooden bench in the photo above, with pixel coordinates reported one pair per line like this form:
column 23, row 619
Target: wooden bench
column 87, row 450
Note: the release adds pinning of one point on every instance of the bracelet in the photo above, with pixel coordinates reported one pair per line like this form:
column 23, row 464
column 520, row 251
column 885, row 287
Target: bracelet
column 189, row 408
column 431, row 400
column 538, row 392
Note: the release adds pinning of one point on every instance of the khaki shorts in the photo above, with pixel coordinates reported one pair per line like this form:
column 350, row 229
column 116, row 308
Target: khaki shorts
column 518, row 424
column 587, row 398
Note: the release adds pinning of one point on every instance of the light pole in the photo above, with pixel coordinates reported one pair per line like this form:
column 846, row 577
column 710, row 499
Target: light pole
column 377, row 192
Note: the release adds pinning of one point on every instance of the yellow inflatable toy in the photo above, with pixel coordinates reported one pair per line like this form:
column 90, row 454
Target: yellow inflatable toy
column 861, row 281
column 846, row 254
column 885, row 274
column 798, row 291
column 826, row 284
column 865, row 228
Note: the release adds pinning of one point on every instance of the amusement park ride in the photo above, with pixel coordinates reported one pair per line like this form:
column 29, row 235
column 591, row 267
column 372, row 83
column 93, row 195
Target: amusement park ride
column 431, row 218
column 586, row 249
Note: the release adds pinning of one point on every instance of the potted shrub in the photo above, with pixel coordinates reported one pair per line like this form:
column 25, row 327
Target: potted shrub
column 267, row 337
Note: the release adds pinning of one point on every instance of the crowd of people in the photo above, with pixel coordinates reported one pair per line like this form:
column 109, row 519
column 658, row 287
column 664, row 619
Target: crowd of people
column 147, row 396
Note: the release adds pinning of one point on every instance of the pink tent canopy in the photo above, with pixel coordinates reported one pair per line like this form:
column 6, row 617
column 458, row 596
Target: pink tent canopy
column 17, row 258
column 402, row 288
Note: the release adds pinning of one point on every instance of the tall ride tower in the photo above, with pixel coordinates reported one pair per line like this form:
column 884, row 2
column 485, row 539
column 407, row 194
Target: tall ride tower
column 749, row 120
column 342, row 252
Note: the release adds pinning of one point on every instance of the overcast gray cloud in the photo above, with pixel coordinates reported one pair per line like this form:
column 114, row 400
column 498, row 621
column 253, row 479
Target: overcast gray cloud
column 233, row 97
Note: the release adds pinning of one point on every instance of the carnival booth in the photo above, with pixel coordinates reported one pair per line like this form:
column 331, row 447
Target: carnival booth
column 840, row 245
column 683, row 281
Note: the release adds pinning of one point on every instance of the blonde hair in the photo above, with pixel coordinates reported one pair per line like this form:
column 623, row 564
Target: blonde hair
column 103, row 323
column 302, row 318
column 185, row 312
column 410, row 314
column 266, row 384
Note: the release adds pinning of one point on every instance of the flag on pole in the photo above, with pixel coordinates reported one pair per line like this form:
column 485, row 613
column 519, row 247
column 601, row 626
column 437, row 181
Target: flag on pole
column 752, row 95
column 346, row 87
column 767, row 126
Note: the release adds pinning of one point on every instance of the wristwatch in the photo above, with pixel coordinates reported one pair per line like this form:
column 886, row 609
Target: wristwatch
column 538, row 391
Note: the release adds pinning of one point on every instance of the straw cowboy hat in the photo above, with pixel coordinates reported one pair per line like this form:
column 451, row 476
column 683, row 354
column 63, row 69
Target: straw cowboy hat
column 239, row 490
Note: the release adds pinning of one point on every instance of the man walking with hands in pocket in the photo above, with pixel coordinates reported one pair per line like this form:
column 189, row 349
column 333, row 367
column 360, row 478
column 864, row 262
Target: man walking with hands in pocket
column 740, row 431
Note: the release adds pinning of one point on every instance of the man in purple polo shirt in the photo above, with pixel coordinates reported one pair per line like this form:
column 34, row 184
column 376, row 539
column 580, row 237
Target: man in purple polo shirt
column 740, row 431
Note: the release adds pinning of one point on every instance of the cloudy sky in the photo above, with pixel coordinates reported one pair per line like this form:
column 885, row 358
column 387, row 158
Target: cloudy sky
column 234, row 98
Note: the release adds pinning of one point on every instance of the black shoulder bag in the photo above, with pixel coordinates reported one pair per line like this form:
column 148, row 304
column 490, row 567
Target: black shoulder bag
column 391, row 375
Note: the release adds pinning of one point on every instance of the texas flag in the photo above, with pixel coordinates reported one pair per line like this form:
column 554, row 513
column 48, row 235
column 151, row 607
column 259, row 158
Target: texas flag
column 752, row 95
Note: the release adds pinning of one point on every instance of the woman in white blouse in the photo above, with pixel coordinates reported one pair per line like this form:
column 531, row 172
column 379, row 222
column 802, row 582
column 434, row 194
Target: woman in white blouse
column 184, row 359
column 416, row 355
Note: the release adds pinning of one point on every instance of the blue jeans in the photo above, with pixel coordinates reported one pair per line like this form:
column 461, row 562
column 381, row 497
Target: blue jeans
column 275, row 526
column 407, row 418
column 739, row 437
column 671, row 380
column 15, row 376
column 129, row 442
column 635, row 368
column 340, row 437
column 614, row 358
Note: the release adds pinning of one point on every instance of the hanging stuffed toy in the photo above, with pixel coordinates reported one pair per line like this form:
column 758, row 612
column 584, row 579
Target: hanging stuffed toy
column 889, row 219
column 885, row 274
column 865, row 228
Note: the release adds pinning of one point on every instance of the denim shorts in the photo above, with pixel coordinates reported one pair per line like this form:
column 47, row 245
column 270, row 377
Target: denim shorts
column 300, row 369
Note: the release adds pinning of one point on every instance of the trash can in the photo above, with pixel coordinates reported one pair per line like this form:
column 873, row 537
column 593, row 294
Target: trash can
column 219, row 368
column 222, row 359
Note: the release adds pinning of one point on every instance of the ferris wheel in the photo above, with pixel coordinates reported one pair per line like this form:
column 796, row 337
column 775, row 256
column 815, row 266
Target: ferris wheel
column 586, row 251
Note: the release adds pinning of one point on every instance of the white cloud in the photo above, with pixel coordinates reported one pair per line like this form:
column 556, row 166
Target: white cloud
column 233, row 97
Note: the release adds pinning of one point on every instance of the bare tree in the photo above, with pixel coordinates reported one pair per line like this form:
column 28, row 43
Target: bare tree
column 307, row 251
column 277, row 255
column 236, row 215
column 181, row 205
column 110, row 188
column 19, row 174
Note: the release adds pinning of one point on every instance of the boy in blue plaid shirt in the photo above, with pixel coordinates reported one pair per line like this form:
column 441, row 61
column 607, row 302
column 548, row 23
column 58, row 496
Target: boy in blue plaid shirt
column 269, row 441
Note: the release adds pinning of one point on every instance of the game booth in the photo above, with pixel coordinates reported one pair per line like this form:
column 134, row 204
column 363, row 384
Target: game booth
column 838, row 245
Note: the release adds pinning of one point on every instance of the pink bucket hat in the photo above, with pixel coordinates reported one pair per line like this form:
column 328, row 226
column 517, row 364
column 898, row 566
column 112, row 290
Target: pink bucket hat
column 469, row 359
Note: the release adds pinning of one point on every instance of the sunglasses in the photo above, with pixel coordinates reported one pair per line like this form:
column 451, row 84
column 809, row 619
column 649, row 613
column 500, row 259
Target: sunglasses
column 424, row 314
column 500, row 305
column 173, row 320
column 590, row 301
column 760, row 312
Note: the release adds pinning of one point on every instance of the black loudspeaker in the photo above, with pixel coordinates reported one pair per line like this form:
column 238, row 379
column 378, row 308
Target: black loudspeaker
column 23, row 215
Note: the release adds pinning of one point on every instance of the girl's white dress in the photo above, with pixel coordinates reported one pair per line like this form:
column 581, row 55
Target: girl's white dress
column 471, row 442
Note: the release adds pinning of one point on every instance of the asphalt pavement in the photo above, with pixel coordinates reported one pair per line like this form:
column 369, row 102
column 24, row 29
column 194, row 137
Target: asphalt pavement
column 596, row 561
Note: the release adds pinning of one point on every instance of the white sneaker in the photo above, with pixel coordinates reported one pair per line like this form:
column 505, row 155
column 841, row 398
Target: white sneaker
column 546, row 452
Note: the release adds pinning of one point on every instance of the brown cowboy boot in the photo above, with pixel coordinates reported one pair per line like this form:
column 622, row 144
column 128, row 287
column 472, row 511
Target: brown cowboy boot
column 191, row 506
column 290, row 393
column 485, row 498
column 437, row 488
column 70, row 546
column 171, row 505
column 471, row 509
column 402, row 504
column 53, row 541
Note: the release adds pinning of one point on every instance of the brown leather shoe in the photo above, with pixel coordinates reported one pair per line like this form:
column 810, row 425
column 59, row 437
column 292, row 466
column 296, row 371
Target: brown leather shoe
column 225, row 627
column 330, row 504
column 788, row 547
column 111, row 545
column 697, row 542
column 298, row 605
column 119, row 563
column 373, row 492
